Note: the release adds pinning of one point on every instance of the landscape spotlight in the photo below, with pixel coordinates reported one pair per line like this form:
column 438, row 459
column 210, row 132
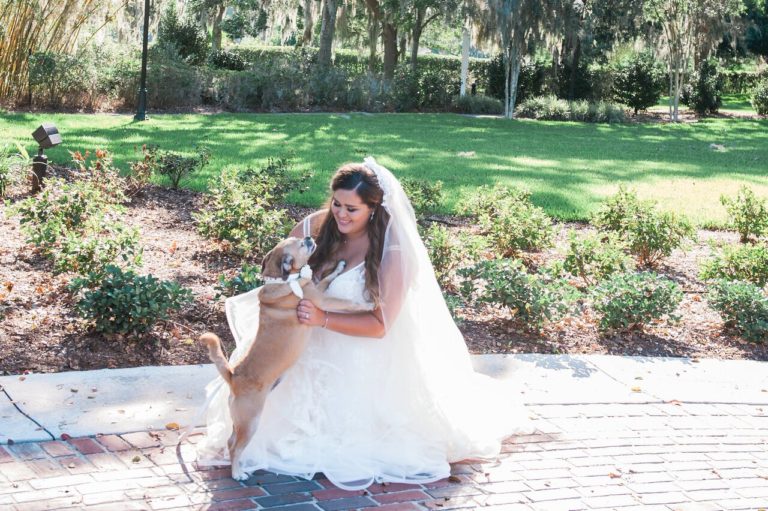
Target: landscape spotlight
column 46, row 136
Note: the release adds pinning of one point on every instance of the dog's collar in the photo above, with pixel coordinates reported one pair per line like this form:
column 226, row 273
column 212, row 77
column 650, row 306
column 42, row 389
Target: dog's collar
column 293, row 280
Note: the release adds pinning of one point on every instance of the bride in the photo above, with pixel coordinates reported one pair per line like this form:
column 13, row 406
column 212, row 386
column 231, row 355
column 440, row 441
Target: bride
column 382, row 396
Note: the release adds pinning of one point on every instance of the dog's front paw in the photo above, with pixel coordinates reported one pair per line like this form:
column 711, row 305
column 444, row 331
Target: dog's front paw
column 238, row 474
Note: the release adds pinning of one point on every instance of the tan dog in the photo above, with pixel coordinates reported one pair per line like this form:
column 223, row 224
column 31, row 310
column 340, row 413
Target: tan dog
column 280, row 338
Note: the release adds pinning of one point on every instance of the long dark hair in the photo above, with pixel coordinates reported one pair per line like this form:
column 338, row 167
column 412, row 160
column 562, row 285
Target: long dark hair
column 361, row 179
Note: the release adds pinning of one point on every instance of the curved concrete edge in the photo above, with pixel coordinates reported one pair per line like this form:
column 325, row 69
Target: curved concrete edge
column 107, row 401
column 114, row 401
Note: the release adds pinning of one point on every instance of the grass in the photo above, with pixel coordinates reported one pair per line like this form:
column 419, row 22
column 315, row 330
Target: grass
column 735, row 103
column 569, row 167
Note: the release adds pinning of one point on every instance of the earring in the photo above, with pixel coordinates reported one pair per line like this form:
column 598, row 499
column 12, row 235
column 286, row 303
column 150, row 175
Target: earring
column 371, row 219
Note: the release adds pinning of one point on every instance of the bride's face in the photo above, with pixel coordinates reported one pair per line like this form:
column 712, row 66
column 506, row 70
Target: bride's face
column 350, row 212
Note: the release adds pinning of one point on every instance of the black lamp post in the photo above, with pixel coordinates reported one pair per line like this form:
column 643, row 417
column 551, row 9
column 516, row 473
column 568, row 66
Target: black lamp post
column 141, row 112
column 46, row 136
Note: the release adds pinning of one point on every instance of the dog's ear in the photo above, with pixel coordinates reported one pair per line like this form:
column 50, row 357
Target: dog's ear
column 287, row 265
column 271, row 265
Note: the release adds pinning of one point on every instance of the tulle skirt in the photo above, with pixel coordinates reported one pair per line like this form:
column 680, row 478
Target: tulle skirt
column 365, row 410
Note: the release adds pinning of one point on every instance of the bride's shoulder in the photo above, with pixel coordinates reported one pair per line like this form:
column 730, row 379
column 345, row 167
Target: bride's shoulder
column 315, row 221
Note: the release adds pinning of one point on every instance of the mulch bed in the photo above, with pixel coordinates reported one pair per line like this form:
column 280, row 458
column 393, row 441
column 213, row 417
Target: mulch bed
column 39, row 332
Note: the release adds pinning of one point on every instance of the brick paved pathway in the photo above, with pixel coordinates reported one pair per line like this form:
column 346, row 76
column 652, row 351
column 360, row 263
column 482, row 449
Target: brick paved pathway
column 650, row 456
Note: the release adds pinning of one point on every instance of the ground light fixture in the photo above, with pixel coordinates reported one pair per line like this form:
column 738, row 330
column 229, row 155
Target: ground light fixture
column 46, row 136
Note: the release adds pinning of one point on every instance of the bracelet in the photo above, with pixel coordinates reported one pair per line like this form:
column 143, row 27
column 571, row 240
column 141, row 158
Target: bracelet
column 325, row 325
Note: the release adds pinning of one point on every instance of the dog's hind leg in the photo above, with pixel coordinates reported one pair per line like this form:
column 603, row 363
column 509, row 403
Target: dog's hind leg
column 246, row 412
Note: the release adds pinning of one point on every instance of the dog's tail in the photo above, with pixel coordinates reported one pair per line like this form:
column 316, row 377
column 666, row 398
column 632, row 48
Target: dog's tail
column 217, row 356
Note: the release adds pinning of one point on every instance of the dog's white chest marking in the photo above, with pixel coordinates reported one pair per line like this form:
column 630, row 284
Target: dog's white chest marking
column 293, row 280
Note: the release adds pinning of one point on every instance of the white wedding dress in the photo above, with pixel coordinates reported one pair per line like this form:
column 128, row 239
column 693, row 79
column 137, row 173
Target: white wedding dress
column 358, row 409
column 363, row 410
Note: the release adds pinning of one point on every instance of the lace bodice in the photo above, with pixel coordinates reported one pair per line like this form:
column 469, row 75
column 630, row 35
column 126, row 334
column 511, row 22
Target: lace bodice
column 350, row 285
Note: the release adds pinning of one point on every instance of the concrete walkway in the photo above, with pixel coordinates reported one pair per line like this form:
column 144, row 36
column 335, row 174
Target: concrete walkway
column 611, row 433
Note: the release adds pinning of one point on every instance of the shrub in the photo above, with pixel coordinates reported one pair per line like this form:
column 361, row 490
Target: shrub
column 742, row 305
column 125, row 303
column 747, row 213
column 509, row 220
column 638, row 80
column 532, row 299
column 628, row 300
column 14, row 163
column 59, row 208
column 142, row 170
column 447, row 253
column 100, row 172
column 275, row 180
column 705, row 93
column 744, row 262
column 425, row 196
column 594, row 257
column 477, row 105
column 760, row 97
column 235, row 212
column 101, row 242
column 177, row 167
column 172, row 82
column 247, row 279
column 554, row 109
column 223, row 59
column 650, row 234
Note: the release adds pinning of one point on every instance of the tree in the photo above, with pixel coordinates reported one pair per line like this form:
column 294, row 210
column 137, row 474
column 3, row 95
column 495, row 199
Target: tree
column 591, row 29
column 519, row 26
column 385, row 12
column 638, row 80
column 330, row 9
column 688, row 27
column 756, row 37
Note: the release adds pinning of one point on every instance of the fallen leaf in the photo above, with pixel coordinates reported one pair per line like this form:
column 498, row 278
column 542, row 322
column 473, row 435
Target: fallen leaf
column 136, row 459
column 71, row 465
column 172, row 426
column 636, row 389
column 614, row 475
column 453, row 479
column 173, row 247
column 675, row 402
column 65, row 436
column 73, row 390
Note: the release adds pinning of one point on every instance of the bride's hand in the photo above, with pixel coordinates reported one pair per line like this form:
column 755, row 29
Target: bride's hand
column 309, row 315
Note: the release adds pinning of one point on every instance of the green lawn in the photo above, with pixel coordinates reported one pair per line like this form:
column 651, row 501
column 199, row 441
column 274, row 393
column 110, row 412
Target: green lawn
column 735, row 103
column 569, row 167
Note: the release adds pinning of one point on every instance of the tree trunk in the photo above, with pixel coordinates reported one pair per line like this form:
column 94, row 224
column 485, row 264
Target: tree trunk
column 389, row 35
column 417, row 29
column 574, row 69
column 306, row 38
column 328, row 28
column 464, row 57
column 373, row 38
column 216, row 28
column 512, row 75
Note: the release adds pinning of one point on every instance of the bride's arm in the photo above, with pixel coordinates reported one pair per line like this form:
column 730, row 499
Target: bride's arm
column 364, row 324
column 359, row 324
